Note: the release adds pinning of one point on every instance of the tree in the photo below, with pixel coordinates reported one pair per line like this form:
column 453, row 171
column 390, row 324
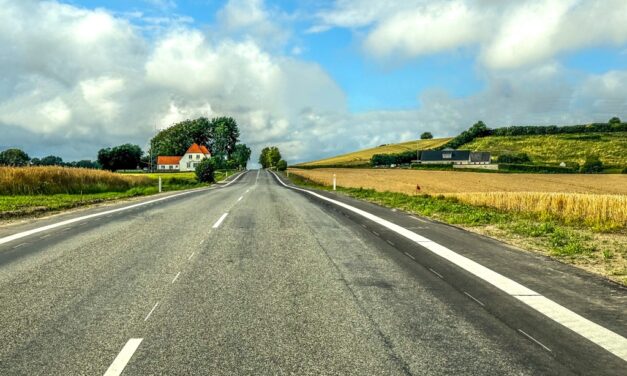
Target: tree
column 274, row 155
column 176, row 139
column 123, row 157
column 241, row 155
column 614, row 120
column 225, row 135
column 281, row 165
column 51, row 160
column 14, row 157
column 264, row 161
column 426, row 136
column 205, row 170
column 85, row 163
column 592, row 165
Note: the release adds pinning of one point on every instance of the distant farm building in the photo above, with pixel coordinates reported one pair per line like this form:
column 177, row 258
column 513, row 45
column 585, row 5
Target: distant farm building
column 449, row 156
column 187, row 162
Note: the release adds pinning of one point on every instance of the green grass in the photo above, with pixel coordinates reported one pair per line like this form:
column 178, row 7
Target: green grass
column 13, row 206
column 362, row 157
column 569, row 243
column 554, row 149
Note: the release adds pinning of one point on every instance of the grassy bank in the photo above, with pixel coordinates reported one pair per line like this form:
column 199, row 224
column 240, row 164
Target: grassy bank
column 35, row 190
column 601, row 252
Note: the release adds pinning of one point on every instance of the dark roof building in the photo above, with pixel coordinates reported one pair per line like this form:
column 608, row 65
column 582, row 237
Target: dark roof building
column 454, row 156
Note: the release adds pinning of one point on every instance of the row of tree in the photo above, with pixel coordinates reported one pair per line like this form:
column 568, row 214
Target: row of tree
column 17, row 157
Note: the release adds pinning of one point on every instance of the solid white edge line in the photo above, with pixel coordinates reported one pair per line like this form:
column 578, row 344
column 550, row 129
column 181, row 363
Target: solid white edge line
column 23, row 234
column 151, row 311
column 120, row 361
column 607, row 339
column 219, row 222
column 190, row 256
column 240, row 198
column 475, row 299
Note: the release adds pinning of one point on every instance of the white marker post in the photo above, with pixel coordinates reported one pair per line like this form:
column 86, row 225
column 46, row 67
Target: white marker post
column 159, row 184
column 334, row 181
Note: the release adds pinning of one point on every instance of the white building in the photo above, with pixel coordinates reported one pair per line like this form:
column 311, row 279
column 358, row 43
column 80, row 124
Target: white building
column 187, row 162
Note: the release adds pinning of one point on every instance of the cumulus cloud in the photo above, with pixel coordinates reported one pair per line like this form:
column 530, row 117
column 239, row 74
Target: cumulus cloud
column 76, row 80
column 507, row 34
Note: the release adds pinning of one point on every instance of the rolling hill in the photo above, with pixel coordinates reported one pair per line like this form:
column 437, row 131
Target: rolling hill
column 362, row 157
column 611, row 147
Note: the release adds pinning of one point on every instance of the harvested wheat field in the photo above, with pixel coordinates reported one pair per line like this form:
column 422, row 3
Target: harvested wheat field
column 440, row 182
column 597, row 200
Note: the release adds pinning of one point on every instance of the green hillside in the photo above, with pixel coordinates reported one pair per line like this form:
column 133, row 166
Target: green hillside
column 362, row 157
column 611, row 147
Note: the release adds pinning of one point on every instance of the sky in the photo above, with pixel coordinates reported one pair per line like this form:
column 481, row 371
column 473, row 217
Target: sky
column 316, row 78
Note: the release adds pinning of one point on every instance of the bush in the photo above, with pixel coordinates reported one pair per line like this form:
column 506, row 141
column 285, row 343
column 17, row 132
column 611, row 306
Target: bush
column 512, row 167
column 390, row 159
column 477, row 130
column 592, row 165
column 521, row 158
column 281, row 165
column 624, row 171
column 426, row 136
column 205, row 171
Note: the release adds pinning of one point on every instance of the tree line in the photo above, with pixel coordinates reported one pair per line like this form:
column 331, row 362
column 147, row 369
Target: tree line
column 17, row 157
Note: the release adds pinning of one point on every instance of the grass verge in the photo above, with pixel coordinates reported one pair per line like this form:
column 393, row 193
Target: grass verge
column 18, row 206
column 603, row 253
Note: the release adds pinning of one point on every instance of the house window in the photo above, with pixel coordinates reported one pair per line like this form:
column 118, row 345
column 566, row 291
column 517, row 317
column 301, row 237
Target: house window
column 188, row 164
column 162, row 167
column 447, row 155
column 195, row 164
column 197, row 156
column 190, row 156
column 170, row 167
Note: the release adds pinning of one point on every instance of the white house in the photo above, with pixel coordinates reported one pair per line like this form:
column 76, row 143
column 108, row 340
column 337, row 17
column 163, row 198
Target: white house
column 187, row 162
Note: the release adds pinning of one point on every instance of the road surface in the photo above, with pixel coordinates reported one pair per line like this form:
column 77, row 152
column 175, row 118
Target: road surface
column 257, row 278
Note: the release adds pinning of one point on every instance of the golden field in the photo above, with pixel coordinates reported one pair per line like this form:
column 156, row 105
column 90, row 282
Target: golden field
column 45, row 180
column 598, row 200
column 362, row 157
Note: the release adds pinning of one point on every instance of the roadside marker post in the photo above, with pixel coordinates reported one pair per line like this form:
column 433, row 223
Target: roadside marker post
column 334, row 181
column 159, row 184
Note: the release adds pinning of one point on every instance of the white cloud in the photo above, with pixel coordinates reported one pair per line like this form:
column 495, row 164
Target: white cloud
column 68, row 94
column 509, row 34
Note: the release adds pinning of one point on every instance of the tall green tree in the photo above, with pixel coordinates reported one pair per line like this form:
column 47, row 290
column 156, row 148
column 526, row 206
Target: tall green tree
column 122, row 157
column 225, row 136
column 241, row 155
column 264, row 161
column 176, row 139
column 14, row 157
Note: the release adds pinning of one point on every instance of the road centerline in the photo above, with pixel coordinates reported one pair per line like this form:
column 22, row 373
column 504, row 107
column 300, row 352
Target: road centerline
column 120, row 361
column 151, row 311
column 220, row 220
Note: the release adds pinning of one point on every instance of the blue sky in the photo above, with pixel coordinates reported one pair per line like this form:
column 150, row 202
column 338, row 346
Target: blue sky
column 314, row 77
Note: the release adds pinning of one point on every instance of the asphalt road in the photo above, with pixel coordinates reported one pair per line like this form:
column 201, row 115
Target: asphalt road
column 256, row 278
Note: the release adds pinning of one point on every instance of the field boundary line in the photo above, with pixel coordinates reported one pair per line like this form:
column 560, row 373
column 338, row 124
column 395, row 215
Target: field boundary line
column 603, row 337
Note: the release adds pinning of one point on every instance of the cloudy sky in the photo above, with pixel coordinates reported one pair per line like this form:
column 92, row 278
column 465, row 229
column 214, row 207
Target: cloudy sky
column 314, row 77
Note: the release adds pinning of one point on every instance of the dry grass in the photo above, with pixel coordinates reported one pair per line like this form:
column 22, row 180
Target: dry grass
column 596, row 210
column 362, row 157
column 599, row 201
column 67, row 180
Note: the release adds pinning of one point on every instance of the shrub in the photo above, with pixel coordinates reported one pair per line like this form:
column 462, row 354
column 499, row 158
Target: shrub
column 205, row 170
column 426, row 136
column 514, row 158
column 479, row 129
column 614, row 120
column 281, row 165
column 592, row 165
column 624, row 171
column 390, row 159
column 540, row 169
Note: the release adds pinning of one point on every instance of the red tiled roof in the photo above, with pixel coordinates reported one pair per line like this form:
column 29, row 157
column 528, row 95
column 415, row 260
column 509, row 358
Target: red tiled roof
column 194, row 149
column 204, row 149
column 168, row 160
